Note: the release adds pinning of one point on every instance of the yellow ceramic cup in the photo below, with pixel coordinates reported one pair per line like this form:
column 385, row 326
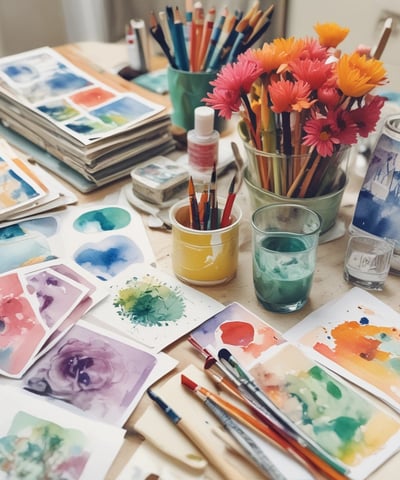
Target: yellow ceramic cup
column 204, row 257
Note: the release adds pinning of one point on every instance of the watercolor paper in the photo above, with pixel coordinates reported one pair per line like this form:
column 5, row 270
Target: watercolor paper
column 68, row 445
column 357, row 336
column 93, row 372
column 37, row 303
column 242, row 332
column 347, row 424
column 103, row 240
column 153, row 308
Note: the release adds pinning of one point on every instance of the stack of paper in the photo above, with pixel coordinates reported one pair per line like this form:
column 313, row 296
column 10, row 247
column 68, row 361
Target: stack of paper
column 96, row 129
column 26, row 189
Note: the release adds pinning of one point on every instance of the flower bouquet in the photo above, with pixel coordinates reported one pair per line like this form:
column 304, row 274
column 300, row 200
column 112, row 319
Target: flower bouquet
column 302, row 104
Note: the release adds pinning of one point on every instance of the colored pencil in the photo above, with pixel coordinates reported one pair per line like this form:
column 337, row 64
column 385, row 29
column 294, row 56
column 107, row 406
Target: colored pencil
column 205, row 37
column 254, row 452
column 224, row 468
column 214, row 38
column 158, row 34
column 181, row 54
column 195, row 36
column 212, row 198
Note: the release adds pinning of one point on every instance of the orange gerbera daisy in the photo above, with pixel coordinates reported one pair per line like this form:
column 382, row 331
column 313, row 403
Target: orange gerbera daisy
column 269, row 57
column 330, row 34
column 358, row 75
column 287, row 96
column 290, row 48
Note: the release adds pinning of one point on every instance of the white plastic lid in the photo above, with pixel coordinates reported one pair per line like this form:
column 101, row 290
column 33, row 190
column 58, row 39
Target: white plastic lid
column 204, row 121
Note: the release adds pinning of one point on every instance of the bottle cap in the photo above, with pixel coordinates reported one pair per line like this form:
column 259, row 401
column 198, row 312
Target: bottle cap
column 204, row 121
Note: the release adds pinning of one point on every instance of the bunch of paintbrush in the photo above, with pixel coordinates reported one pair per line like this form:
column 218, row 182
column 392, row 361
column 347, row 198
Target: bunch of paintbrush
column 205, row 213
column 195, row 41
column 266, row 418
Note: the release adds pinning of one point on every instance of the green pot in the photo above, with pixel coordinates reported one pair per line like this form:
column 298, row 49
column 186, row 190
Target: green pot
column 327, row 206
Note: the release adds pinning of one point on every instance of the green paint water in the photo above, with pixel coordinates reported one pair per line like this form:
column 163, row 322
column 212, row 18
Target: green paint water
column 283, row 268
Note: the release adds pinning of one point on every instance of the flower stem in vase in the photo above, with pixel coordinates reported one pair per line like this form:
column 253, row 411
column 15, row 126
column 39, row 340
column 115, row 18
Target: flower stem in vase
column 309, row 177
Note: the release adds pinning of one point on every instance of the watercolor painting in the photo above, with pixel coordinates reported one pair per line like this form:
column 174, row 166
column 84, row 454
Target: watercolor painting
column 36, row 449
column 59, row 110
column 242, row 332
column 345, row 423
column 153, row 308
column 21, row 330
column 57, row 295
column 358, row 336
column 102, row 220
column 92, row 371
column 41, row 440
column 17, row 189
column 377, row 206
column 108, row 257
column 102, row 240
column 92, row 97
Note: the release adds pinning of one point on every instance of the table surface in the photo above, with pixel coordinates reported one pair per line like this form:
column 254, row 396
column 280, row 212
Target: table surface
column 328, row 280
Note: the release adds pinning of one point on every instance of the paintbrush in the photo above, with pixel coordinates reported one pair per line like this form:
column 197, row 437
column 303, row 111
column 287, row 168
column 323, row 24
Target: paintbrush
column 315, row 464
column 260, row 401
column 233, row 427
column 224, row 468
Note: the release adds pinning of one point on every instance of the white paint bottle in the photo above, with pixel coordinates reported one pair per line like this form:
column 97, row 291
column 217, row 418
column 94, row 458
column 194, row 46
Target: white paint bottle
column 202, row 142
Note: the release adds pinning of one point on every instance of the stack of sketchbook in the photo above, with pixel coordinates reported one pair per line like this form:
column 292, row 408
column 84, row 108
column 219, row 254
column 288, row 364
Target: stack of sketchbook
column 96, row 127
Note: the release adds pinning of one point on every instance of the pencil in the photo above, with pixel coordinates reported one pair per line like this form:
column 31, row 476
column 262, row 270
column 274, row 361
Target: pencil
column 158, row 35
column 180, row 44
column 205, row 37
column 195, row 36
column 214, row 38
column 223, row 467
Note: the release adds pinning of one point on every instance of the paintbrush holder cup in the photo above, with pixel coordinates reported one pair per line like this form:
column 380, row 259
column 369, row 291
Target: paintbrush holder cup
column 186, row 91
column 326, row 199
column 204, row 257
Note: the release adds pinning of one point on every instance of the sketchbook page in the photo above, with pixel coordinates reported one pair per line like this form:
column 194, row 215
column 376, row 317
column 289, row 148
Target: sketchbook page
column 357, row 336
column 69, row 445
column 152, row 308
column 357, row 431
column 93, row 372
column 201, row 420
column 235, row 327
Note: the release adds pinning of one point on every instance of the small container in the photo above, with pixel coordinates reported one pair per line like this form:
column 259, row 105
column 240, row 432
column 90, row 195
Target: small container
column 203, row 141
column 367, row 261
column 285, row 241
column 159, row 179
column 204, row 257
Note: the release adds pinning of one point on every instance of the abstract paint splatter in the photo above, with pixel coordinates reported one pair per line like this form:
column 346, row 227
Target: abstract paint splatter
column 36, row 449
column 149, row 302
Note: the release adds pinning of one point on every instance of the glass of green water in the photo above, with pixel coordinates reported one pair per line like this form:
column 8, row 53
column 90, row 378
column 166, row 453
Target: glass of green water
column 285, row 241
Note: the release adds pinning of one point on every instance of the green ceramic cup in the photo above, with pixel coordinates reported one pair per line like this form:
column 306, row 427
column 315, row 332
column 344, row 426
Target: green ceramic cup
column 186, row 90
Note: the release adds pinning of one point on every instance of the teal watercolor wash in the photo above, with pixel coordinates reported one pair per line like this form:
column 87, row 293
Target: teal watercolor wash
column 102, row 220
column 329, row 411
column 149, row 302
column 283, row 269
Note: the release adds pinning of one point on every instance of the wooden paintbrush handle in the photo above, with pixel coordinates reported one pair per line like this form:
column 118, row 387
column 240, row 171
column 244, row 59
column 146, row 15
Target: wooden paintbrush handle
column 214, row 458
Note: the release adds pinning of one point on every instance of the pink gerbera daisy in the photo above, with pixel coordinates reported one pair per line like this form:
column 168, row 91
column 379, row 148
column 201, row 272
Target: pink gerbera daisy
column 321, row 133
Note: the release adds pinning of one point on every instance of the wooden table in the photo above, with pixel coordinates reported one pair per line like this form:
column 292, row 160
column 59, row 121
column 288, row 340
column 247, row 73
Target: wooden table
column 328, row 284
